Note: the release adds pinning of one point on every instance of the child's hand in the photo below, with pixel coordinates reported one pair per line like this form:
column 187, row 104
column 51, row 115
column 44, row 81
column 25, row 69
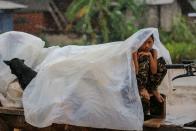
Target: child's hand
column 144, row 53
column 144, row 93
column 158, row 96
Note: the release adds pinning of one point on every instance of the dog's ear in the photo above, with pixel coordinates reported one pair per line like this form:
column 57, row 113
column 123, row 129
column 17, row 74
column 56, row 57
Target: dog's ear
column 18, row 59
column 7, row 62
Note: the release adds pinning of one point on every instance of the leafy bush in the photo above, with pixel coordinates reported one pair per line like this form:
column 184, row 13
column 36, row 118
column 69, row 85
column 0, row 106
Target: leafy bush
column 180, row 51
column 103, row 20
column 180, row 42
column 181, row 31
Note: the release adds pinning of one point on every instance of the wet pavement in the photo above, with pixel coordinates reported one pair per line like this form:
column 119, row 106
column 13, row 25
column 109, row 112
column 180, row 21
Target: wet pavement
column 185, row 81
column 181, row 105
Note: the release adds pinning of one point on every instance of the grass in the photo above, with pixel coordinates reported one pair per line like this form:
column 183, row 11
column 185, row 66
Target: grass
column 179, row 51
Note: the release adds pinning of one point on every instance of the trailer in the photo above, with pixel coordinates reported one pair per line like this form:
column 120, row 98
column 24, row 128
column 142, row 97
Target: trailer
column 12, row 119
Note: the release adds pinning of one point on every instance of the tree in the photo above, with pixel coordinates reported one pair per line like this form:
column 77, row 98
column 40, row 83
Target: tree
column 103, row 20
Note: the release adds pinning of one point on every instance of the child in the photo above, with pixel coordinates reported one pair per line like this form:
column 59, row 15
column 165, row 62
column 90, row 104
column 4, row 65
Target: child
column 150, row 70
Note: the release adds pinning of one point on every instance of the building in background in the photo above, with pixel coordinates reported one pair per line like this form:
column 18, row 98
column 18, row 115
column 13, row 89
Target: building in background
column 41, row 16
column 192, row 14
column 48, row 16
column 161, row 13
column 7, row 9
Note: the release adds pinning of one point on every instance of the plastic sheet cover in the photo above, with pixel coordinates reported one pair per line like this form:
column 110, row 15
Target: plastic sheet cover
column 21, row 45
column 90, row 86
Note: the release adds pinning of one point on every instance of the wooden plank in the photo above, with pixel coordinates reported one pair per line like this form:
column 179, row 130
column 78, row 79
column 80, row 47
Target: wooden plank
column 17, row 129
column 154, row 123
column 56, row 9
column 3, row 125
column 11, row 111
column 55, row 18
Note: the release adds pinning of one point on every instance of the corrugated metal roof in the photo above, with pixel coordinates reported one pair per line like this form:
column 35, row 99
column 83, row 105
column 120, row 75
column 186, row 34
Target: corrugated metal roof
column 158, row 2
column 11, row 5
column 34, row 5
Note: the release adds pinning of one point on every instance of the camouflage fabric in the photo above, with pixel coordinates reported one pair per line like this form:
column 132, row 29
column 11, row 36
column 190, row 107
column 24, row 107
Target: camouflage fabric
column 151, row 82
column 146, row 78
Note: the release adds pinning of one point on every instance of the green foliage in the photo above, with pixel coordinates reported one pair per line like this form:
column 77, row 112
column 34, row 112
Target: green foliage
column 103, row 20
column 43, row 37
column 180, row 42
column 179, row 51
column 181, row 32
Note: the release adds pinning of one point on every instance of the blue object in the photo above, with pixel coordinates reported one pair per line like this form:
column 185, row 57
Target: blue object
column 6, row 22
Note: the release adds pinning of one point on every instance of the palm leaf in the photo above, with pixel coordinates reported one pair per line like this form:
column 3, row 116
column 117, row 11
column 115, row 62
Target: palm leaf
column 74, row 7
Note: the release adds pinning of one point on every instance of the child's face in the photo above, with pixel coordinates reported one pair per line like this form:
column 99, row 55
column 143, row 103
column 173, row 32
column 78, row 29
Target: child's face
column 147, row 44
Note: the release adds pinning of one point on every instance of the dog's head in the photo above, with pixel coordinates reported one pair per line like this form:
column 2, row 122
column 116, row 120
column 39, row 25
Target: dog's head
column 15, row 65
column 24, row 73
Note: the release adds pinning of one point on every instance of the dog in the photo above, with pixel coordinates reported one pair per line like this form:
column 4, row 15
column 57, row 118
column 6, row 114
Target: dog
column 24, row 73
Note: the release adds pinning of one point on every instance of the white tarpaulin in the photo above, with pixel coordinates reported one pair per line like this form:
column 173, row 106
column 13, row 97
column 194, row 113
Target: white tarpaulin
column 21, row 45
column 92, row 86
